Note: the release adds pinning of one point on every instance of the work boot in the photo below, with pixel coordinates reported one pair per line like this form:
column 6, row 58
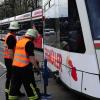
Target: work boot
column 20, row 94
column 6, row 93
column 38, row 93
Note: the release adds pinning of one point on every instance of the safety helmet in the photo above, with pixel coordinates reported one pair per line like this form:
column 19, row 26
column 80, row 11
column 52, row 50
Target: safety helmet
column 14, row 25
column 32, row 33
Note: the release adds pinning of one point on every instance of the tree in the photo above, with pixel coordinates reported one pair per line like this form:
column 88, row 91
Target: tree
column 10, row 8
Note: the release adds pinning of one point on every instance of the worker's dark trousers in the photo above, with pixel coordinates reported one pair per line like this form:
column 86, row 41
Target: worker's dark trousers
column 8, row 64
column 25, row 75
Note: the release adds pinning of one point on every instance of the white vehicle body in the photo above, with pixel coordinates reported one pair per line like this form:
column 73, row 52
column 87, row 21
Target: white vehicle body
column 79, row 70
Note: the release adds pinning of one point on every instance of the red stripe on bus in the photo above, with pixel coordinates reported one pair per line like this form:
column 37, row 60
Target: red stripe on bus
column 97, row 45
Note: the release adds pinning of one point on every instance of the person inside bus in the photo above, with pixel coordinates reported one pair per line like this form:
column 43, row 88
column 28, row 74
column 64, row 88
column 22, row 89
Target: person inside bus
column 24, row 60
column 38, row 39
column 65, row 46
column 9, row 46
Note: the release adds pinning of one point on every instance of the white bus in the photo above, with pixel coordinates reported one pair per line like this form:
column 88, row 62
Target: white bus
column 74, row 49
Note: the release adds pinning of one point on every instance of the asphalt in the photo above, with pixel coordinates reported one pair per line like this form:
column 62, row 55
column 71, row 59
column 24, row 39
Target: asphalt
column 56, row 90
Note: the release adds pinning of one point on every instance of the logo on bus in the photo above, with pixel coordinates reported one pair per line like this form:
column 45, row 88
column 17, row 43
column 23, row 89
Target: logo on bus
column 53, row 58
column 73, row 69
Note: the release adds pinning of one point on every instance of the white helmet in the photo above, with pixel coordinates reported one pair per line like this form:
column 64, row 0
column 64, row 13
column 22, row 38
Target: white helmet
column 14, row 25
column 32, row 33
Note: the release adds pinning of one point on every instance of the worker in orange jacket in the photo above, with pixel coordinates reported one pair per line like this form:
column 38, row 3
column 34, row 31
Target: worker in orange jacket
column 9, row 46
column 24, row 60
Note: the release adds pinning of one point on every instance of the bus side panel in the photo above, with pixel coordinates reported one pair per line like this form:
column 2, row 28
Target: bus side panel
column 76, row 82
column 51, row 55
column 65, row 76
column 51, row 67
column 91, row 85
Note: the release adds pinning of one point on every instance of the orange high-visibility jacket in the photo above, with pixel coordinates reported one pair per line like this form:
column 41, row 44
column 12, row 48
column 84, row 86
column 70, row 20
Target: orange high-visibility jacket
column 7, row 53
column 21, row 58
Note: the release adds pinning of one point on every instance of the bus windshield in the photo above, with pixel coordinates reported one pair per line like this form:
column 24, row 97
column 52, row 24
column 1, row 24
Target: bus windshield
column 93, row 9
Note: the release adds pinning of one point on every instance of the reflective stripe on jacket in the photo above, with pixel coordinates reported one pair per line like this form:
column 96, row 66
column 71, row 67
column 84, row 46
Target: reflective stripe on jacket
column 20, row 57
column 7, row 52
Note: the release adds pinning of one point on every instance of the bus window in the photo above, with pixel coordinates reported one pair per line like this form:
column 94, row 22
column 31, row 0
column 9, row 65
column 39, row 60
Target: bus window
column 23, row 27
column 38, row 25
column 51, row 31
column 64, row 32
column 71, row 37
column 93, row 9
column 26, row 25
